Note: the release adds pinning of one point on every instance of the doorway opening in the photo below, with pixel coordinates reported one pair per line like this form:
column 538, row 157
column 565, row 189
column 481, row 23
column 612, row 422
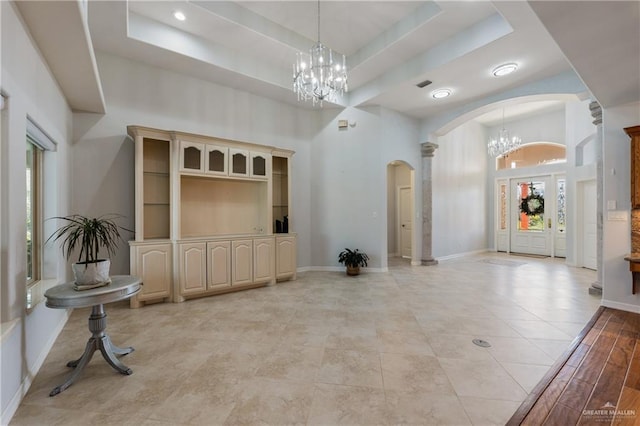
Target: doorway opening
column 400, row 208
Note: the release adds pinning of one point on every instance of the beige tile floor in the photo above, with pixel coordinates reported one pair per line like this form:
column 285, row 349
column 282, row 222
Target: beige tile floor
column 327, row 349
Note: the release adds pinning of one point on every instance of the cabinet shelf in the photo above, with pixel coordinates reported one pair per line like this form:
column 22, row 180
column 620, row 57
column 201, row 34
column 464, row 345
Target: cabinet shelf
column 221, row 177
column 152, row 173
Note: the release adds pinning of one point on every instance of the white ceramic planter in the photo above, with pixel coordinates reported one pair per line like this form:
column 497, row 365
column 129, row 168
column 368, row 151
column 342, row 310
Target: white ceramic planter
column 91, row 273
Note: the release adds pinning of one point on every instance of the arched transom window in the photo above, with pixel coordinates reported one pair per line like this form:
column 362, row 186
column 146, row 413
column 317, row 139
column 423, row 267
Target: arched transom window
column 531, row 155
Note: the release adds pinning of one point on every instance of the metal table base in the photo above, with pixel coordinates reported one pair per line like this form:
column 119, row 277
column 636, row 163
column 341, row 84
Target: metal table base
column 99, row 340
column 64, row 296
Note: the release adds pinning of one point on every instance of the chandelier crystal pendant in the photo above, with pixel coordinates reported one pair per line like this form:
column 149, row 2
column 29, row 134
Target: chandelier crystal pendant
column 320, row 74
column 504, row 143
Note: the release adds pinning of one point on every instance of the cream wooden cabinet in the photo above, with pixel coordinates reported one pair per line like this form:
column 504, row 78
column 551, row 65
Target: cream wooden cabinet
column 241, row 262
column 212, row 208
column 192, row 156
column 238, row 162
column 193, row 268
column 286, row 254
column 280, row 184
column 218, row 265
column 263, row 259
column 259, row 165
column 152, row 263
column 208, row 267
column 153, row 176
column 216, row 160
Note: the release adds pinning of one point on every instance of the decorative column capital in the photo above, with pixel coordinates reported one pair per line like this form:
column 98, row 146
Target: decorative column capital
column 428, row 149
column 596, row 112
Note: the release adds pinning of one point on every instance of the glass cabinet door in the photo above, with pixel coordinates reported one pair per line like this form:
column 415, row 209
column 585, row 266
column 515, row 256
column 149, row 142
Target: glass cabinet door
column 238, row 162
column 191, row 157
column 216, row 160
column 259, row 164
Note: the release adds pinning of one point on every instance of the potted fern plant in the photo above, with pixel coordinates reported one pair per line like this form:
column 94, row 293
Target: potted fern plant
column 353, row 260
column 89, row 235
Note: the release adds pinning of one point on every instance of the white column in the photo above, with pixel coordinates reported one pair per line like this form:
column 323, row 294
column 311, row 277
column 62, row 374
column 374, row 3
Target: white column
column 596, row 113
column 428, row 149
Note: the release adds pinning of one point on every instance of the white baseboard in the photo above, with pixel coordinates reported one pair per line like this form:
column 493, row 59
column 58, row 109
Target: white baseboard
column 622, row 306
column 337, row 269
column 13, row 405
column 457, row 255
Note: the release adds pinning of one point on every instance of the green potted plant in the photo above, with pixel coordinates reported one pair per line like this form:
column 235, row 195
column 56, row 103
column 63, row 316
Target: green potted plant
column 353, row 260
column 89, row 235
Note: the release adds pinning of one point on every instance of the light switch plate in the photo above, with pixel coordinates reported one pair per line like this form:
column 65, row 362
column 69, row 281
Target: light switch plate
column 617, row 215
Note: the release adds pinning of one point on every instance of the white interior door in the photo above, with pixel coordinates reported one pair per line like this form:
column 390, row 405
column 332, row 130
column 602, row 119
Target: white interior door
column 405, row 214
column 532, row 215
column 589, row 225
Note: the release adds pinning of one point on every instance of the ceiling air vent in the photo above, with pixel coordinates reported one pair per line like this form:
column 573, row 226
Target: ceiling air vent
column 424, row 83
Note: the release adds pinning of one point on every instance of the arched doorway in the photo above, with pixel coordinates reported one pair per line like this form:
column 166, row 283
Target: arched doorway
column 531, row 205
column 400, row 208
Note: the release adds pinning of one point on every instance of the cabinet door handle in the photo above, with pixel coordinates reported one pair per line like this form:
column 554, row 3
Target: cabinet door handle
column 549, row 222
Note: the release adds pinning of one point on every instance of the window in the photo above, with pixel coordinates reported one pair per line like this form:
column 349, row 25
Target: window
column 40, row 199
column 531, row 207
column 34, row 217
column 561, row 223
column 532, row 155
column 503, row 206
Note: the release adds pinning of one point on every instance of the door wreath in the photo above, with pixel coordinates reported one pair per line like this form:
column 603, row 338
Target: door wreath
column 532, row 205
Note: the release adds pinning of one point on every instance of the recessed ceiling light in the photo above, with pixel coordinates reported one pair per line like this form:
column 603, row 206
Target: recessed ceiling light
column 440, row 93
column 504, row 69
column 179, row 15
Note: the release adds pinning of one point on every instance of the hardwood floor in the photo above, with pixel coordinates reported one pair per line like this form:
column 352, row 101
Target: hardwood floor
column 597, row 382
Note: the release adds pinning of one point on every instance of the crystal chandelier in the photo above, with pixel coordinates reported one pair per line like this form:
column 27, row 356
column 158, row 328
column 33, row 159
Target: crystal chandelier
column 504, row 143
column 316, row 75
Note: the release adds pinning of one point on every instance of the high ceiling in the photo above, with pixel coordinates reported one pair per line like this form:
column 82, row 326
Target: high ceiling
column 390, row 45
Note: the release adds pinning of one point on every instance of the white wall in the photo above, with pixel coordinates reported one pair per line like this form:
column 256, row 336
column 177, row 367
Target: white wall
column 138, row 94
column 452, row 171
column 460, row 191
column 26, row 80
column 338, row 177
column 401, row 142
column 580, row 136
column 616, row 187
column 348, row 181
column 545, row 127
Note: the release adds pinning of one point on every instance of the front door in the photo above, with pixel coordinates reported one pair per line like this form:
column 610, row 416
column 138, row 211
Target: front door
column 405, row 221
column 532, row 207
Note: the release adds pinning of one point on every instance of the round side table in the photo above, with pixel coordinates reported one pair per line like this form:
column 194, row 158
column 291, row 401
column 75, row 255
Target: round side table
column 63, row 296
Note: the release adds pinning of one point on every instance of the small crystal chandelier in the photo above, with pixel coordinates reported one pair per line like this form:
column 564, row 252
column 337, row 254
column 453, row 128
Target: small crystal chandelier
column 316, row 75
column 504, row 144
